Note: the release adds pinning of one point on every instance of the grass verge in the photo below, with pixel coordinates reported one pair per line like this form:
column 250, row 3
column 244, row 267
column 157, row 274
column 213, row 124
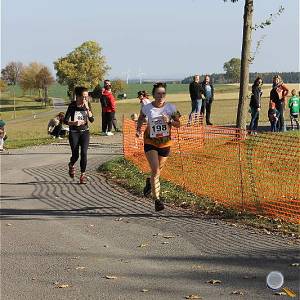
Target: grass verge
column 127, row 175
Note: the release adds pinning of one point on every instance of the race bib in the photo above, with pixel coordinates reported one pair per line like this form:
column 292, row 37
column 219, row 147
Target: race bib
column 80, row 116
column 159, row 128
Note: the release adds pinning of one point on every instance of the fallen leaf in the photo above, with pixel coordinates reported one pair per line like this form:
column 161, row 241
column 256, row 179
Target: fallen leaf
column 184, row 205
column 280, row 294
column 80, row 268
column 110, row 277
column 249, row 277
column 192, row 297
column 214, row 281
column 8, row 224
column 237, row 293
column 142, row 245
column 33, row 278
column 157, row 234
column 169, row 236
column 233, row 224
column 196, row 267
column 92, row 225
column 165, row 243
column 119, row 219
column 144, row 291
column 295, row 264
column 267, row 232
column 63, row 286
column 289, row 292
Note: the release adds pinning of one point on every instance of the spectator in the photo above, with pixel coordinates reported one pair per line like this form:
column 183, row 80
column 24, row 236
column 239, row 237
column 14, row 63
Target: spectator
column 294, row 105
column 144, row 98
column 278, row 96
column 196, row 94
column 273, row 116
column 108, row 104
column 3, row 135
column 208, row 89
column 255, row 104
column 55, row 126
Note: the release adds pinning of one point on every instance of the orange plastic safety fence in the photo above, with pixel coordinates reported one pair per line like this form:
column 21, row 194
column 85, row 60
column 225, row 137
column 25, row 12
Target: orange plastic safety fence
column 257, row 174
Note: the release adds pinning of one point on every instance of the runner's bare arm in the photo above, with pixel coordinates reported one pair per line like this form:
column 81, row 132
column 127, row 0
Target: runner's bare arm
column 140, row 122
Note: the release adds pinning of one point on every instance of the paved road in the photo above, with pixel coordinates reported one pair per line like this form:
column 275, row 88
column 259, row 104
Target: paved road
column 55, row 231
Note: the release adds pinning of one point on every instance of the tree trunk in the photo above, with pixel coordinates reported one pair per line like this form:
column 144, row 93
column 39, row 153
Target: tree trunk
column 46, row 95
column 245, row 59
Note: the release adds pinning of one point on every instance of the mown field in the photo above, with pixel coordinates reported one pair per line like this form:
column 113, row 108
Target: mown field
column 26, row 129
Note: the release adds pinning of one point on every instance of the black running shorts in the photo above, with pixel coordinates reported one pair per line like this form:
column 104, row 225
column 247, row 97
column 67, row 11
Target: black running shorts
column 164, row 152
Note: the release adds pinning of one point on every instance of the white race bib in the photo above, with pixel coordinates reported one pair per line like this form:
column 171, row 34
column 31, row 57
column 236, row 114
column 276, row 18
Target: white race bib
column 80, row 115
column 159, row 128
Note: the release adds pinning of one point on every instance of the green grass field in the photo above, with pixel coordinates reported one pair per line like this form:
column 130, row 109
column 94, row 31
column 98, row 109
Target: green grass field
column 26, row 130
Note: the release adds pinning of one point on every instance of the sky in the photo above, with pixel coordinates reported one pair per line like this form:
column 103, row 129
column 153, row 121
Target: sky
column 159, row 38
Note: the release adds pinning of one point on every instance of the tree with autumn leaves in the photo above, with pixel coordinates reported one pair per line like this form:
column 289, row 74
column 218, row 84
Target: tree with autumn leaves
column 85, row 65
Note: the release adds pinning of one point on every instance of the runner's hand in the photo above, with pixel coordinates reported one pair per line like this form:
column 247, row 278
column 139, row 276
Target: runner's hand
column 85, row 103
column 79, row 123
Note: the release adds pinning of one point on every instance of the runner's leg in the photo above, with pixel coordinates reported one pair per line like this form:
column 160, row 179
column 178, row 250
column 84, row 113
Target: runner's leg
column 153, row 159
column 74, row 144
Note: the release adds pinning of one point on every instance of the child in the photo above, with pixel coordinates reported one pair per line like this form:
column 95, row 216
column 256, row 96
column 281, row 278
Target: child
column 273, row 116
column 2, row 134
column 294, row 104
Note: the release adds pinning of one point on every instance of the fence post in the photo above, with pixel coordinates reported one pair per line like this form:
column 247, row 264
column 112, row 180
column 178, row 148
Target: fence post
column 181, row 158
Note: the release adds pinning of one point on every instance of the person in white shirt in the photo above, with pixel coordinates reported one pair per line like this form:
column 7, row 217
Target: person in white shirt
column 161, row 117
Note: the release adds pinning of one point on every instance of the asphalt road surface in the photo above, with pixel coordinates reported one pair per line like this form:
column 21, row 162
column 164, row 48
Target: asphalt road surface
column 62, row 240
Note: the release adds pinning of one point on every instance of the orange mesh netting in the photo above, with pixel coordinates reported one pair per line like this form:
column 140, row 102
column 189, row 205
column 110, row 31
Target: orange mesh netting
column 257, row 174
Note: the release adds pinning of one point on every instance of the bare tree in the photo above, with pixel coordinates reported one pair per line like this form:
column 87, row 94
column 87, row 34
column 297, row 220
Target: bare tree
column 11, row 73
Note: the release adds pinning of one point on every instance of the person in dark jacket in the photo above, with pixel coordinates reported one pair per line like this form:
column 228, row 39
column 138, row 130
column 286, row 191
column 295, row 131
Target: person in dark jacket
column 278, row 95
column 208, row 89
column 255, row 104
column 196, row 94
column 80, row 113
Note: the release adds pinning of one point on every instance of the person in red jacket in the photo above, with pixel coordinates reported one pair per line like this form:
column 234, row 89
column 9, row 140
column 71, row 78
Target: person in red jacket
column 108, row 104
column 278, row 96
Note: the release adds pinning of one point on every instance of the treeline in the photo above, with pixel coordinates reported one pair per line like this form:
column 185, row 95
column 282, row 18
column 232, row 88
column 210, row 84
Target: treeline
column 288, row 77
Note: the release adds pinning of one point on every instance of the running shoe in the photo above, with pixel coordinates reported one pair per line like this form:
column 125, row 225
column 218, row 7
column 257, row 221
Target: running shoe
column 71, row 171
column 103, row 133
column 159, row 205
column 109, row 133
column 147, row 188
column 82, row 179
